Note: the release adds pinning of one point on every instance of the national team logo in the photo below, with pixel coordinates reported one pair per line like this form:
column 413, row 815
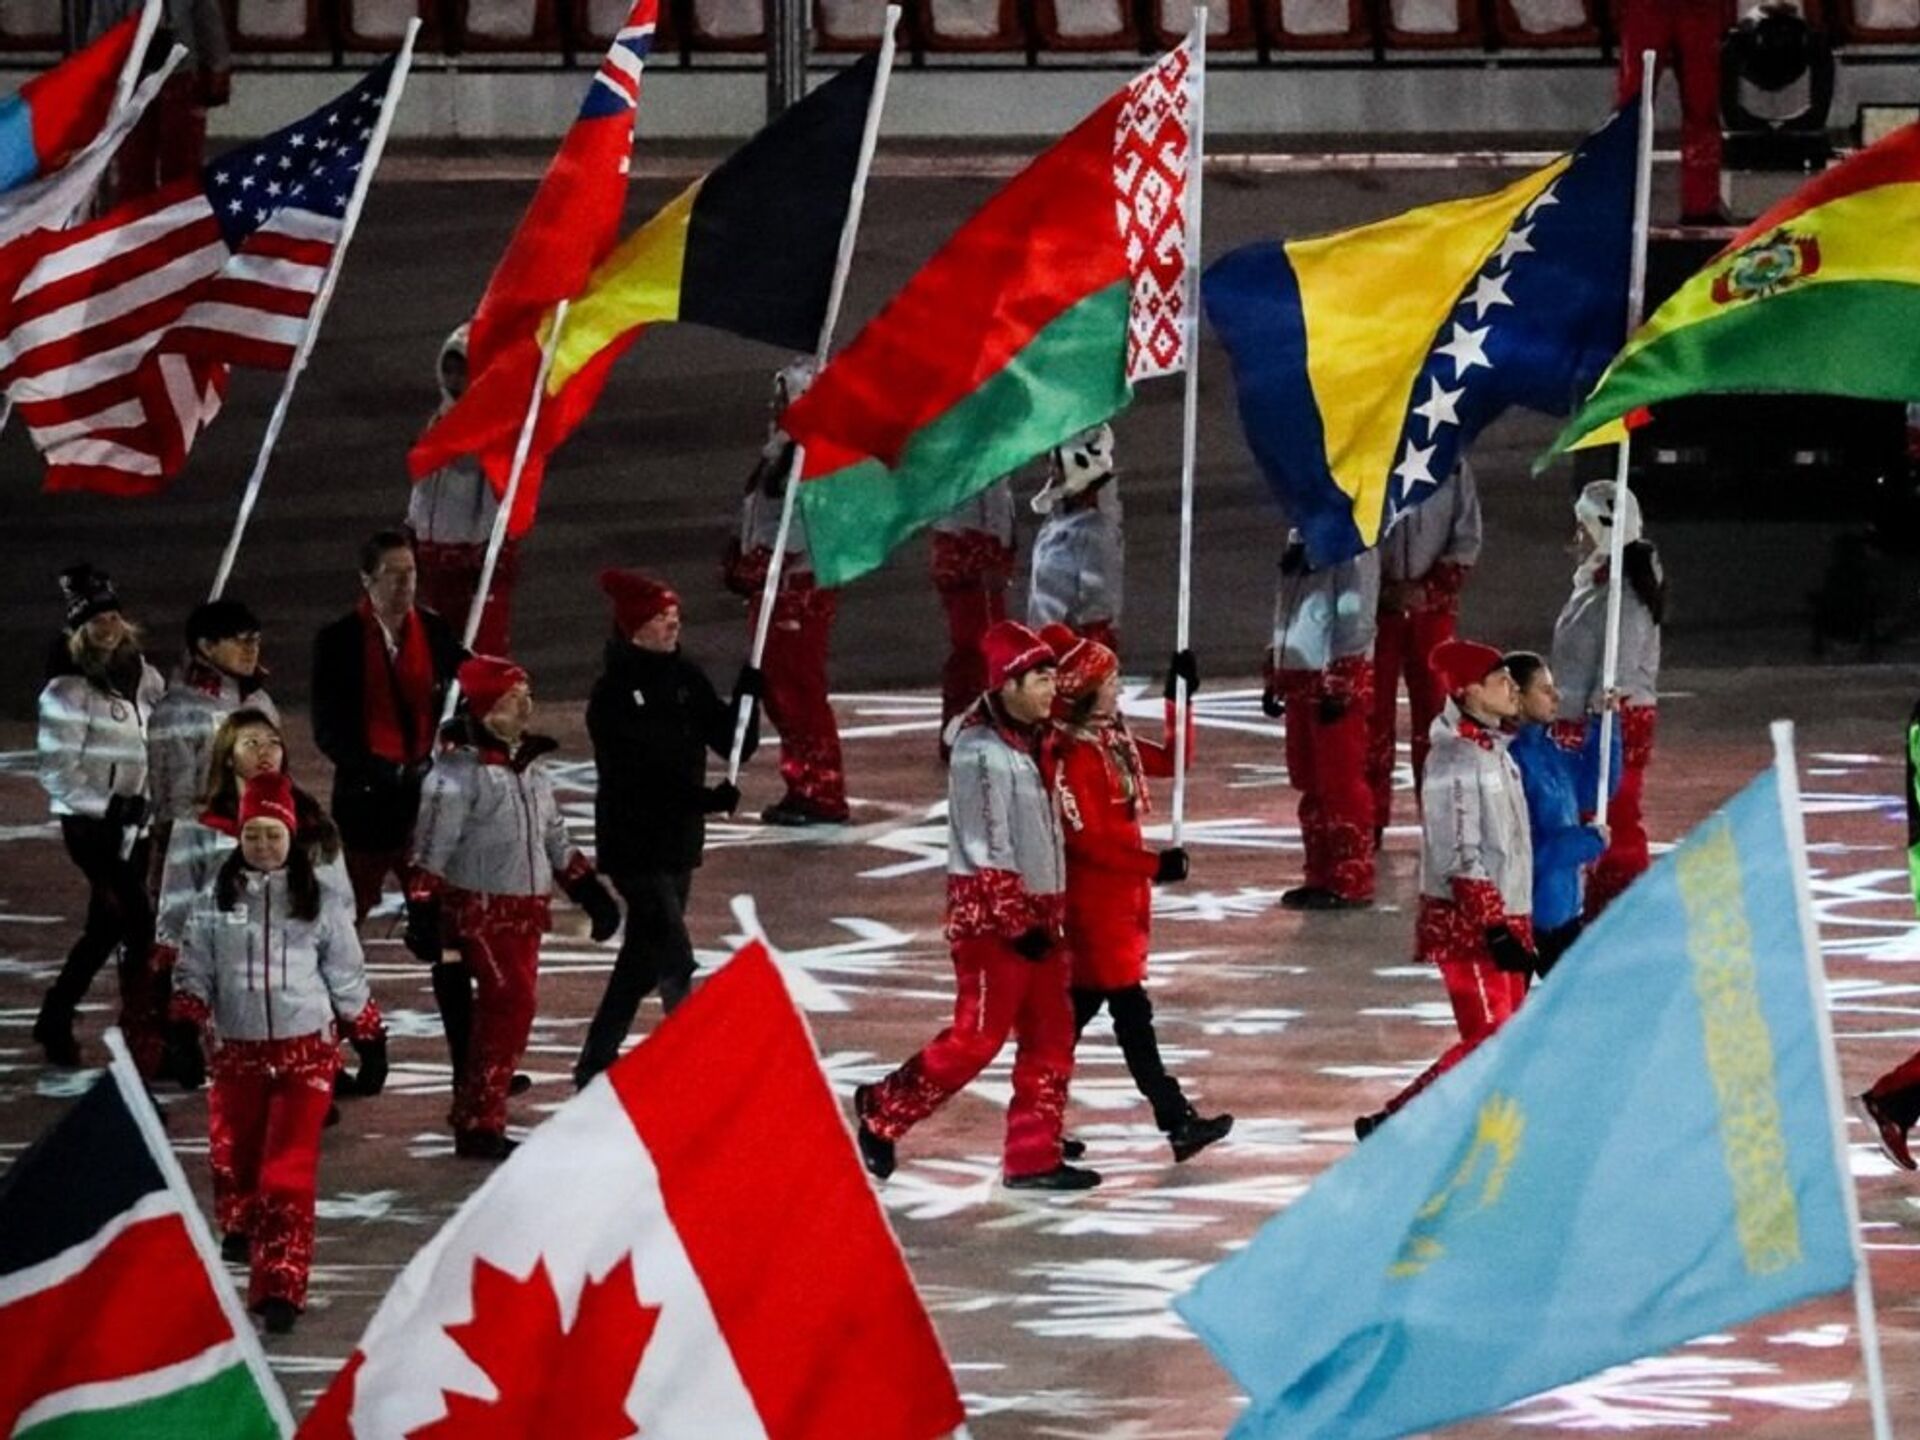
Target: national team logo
column 1767, row 266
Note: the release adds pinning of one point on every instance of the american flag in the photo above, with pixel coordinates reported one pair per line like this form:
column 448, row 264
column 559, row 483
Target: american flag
column 115, row 337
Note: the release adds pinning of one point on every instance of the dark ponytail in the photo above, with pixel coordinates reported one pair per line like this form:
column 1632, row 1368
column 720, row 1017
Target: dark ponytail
column 1522, row 665
column 1648, row 578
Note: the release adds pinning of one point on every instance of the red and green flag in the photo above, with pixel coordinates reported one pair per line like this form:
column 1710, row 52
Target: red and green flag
column 118, row 1322
column 1030, row 325
column 1819, row 296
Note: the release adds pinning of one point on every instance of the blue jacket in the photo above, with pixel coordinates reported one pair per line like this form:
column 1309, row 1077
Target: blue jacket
column 1561, row 784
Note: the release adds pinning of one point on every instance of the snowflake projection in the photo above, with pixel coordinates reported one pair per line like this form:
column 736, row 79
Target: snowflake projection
column 823, row 976
column 923, row 841
column 20, row 762
column 1259, row 775
column 1866, row 914
column 1249, row 1022
column 1242, row 832
column 1106, row 1299
column 1247, row 903
column 45, row 830
column 940, row 1188
column 1427, row 1012
column 1685, row 1391
column 371, row 1206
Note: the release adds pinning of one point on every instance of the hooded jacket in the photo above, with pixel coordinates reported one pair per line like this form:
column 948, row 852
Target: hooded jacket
column 1103, row 794
column 455, row 505
column 1476, row 846
column 489, row 822
column 1079, row 565
column 180, row 734
column 1006, row 865
column 1561, row 785
column 93, row 740
column 197, row 848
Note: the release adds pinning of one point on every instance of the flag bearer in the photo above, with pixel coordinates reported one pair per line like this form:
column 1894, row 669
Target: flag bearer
column 972, row 558
column 1006, row 900
column 1079, row 556
column 269, row 963
column 489, row 849
column 1424, row 562
column 1320, row 675
column 795, row 663
column 1579, row 651
column 1476, row 859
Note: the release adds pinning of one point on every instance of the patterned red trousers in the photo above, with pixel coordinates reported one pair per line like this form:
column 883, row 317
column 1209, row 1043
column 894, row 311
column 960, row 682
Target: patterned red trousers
column 1327, row 765
column 268, row 1103
column 1484, row 997
column 499, row 938
column 795, row 667
column 1627, row 854
column 1401, row 648
column 1899, row 1091
column 1685, row 35
column 971, row 572
column 997, row 994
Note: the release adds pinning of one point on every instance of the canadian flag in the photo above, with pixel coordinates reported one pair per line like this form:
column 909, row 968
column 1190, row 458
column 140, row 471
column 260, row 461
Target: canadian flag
column 687, row 1249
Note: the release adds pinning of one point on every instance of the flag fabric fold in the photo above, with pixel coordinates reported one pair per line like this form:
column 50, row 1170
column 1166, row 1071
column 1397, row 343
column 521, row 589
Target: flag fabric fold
column 689, row 1247
column 1367, row 361
column 57, row 113
column 118, row 1319
column 567, row 231
column 118, row 333
column 1031, row 324
column 1819, row 296
column 1501, row 1235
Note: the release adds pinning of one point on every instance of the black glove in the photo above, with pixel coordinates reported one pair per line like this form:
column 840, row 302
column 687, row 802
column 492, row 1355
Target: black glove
column 185, row 1059
column 126, row 811
column 1035, row 945
column 750, row 681
column 1183, row 666
column 423, row 935
column 721, row 799
column 1333, row 709
column 1273, row 704
column 372, row 1078
column 589, row 892
column 1293, row 560
column 1509, row 953
column 1174, row 866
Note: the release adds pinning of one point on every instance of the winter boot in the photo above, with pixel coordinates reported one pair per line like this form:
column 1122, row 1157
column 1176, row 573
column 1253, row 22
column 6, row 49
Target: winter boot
column 798, row 810
column 53, row 1032
column 1061, row 1177
column 235, row 1248
column 875, row 1153
column 1195, row 1132
column 483, row 1145
column 1072, row 1149
column 277, row 1314
column 1891, row 1134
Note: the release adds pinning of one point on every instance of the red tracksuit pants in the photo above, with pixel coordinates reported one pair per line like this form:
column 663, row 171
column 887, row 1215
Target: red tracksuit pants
column 1400, row 650
column 498, row 937
column 1898, row 1091
column 1327, row 764
column 265, row 1110
column 1685, row 35
column 795, row 668
column 997, row 993
column 971, row 572
column 1484, row 997
column 449, row 574
column 1627, row 855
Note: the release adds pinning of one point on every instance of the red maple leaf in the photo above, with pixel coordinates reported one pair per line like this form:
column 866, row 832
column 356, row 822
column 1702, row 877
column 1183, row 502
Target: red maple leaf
column 548, row 1381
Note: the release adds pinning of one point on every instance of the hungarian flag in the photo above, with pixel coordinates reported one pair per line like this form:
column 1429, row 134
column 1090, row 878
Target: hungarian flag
column 1030, row 325
column 688, row 1248
column 567, row 231
column 1819, row 296
column 116, row 1317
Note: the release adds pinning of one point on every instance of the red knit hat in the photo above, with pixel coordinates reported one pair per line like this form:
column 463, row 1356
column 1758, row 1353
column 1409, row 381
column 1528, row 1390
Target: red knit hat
column 1461, row 663
column 636, row 598
column 1083, row 665
column 1011, row 650
column 485, row 678
column 269, row 796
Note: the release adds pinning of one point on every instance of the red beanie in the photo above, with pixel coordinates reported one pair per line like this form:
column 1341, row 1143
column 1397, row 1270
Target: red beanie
column 1011, row 650
column 1460, row 663
column 484, row 679
column 1083, row 666
column 636, row 598
column 269, row 796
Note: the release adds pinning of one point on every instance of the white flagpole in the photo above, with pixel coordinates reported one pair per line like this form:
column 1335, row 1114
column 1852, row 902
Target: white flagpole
column 133, row 1094
column 142, row 38
column 1190, row 419
column 1793, row 816
column 368, row 164
column 843, row 262
column 1636, row 303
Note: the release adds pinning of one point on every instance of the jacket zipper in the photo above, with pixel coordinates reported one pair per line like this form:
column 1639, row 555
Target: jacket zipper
column 266, row 951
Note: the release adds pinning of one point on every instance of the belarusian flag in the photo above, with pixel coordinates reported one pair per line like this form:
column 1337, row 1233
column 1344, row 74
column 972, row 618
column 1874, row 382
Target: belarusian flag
column 1819, row 296
column 689, row 1248
column 1030, row 325
column 116, row 1318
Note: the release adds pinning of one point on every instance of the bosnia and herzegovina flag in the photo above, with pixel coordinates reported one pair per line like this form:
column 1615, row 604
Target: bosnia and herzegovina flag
column 1367, row 361
column 1500, row 1236
column 748, row 248
column 118, row 1320
column 1819, row 296
column 1028, row 326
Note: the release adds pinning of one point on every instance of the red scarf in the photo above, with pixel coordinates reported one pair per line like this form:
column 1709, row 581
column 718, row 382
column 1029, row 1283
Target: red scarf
column 397, row 706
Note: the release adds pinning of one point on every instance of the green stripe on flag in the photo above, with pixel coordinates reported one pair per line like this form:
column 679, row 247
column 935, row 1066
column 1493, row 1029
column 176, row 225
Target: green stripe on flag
column 1071, row 375
column 225, row 1406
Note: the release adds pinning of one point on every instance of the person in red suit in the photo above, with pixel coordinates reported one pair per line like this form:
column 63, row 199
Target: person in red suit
column 1100, row 775
column 1685, row 36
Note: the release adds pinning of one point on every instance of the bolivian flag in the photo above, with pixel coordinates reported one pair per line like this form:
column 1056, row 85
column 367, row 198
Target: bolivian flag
column 1819, row 296
column 749, row 248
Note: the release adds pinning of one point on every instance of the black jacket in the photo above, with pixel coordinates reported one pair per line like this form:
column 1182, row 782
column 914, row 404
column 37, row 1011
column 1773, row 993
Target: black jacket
column 374, row 801
column 653, row 718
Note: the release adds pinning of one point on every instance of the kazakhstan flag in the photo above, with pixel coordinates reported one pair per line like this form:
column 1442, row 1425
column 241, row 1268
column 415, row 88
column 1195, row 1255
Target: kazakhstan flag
column 1367, row 361
column 1644, row 1154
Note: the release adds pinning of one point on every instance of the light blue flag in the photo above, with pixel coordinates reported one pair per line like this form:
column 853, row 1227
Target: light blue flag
column 1644, row 1154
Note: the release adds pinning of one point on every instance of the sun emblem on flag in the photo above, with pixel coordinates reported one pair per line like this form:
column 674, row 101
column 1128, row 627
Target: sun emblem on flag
column 1767, row 266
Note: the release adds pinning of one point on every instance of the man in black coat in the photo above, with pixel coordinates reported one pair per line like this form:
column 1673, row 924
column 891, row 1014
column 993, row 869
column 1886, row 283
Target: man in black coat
column 653, row 717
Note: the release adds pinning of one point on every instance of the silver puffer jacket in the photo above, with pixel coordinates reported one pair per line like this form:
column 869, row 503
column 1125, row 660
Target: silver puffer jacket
column 1474, row 814
column 1079, row 566
column 180, row 735
column 266, row 975
column 195, row 853
column 93, row 743
column 1444, row 528
column 1006, row 861
column 1327, row 615
column 1580, row 643
column 492, row 826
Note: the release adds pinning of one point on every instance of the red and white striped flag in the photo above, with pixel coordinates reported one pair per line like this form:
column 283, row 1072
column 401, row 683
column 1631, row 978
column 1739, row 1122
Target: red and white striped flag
column 115, row 336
